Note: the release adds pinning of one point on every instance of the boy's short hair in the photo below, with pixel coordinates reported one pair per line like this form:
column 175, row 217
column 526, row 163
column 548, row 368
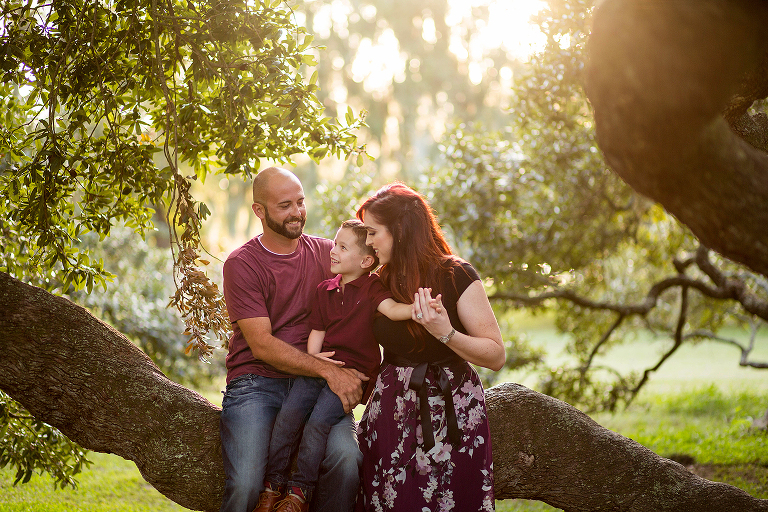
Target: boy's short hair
column 361, row 234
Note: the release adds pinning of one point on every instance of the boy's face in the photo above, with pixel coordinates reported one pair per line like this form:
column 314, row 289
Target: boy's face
column 346, row 256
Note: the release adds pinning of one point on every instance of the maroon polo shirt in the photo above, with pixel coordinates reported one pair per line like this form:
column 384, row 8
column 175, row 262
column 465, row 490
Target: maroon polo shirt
column 260, row 283
column 347, row 319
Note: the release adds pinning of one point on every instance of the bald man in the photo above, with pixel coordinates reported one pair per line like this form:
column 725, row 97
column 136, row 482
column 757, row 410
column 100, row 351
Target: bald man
column 268, row 285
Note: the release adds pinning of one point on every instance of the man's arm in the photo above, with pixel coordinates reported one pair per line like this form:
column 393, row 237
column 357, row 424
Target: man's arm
column 345, row 382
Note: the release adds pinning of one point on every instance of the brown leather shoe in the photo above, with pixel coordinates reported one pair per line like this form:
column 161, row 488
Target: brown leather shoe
column 268, row 500
column 292, row 503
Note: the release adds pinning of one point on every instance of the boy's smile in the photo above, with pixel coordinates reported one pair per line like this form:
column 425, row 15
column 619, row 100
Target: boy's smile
column 347, row 256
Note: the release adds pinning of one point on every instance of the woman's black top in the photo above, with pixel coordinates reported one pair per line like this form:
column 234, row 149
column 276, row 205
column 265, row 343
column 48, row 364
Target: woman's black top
column 396, row 338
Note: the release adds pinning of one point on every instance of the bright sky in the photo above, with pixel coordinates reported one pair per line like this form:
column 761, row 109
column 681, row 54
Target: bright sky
column 509, row 24
column 379, row 62
column 508, row 27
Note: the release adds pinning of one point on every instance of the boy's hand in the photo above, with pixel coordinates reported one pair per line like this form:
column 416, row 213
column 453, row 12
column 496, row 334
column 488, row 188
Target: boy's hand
column 326, row 356
column 431, row 313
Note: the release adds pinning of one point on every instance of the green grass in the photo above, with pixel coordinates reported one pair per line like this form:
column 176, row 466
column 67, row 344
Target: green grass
column 523, row 506
column 701, row 404
column 706, row 424
column 111, row 484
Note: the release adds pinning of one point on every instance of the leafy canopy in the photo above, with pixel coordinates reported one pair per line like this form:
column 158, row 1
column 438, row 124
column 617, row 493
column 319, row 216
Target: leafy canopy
column 113, row 108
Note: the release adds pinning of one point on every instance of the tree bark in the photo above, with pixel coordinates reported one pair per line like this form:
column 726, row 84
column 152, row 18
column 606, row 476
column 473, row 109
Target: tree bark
column 660, row 76
column 76, row 373
column 545, row 449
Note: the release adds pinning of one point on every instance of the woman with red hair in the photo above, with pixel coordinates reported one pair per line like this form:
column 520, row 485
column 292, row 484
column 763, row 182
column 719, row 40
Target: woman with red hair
column 424, row 434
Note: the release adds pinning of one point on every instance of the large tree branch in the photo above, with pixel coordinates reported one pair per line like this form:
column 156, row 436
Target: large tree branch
column 659, row 78
column 544, row 449
column 76, row 373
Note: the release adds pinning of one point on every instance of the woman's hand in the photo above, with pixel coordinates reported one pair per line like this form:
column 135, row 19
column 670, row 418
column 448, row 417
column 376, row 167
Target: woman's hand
column 430, row 313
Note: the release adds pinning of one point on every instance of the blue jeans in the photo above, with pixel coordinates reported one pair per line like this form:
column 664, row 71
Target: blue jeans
column 249, row 409
column 312, row 401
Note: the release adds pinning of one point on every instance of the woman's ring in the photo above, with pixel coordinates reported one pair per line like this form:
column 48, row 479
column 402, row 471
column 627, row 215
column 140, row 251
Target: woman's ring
column 419, row 316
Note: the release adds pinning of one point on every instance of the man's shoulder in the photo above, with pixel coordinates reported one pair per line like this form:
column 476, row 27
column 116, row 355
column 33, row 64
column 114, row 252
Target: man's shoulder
column 248, row 249
column 313, row 250
column 316, row 242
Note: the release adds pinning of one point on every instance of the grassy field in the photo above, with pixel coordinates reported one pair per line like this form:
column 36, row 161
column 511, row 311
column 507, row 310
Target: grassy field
column 701, row 404
column 111, row 484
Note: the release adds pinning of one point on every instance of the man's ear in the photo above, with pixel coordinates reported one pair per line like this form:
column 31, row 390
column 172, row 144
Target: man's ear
column 367, row 261
column 258, row 209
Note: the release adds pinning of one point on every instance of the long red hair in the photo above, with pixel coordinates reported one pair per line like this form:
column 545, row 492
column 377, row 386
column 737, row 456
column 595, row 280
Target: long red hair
column 419, row 248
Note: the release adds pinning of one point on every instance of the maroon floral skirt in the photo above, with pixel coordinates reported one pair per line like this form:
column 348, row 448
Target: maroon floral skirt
column 398, row 474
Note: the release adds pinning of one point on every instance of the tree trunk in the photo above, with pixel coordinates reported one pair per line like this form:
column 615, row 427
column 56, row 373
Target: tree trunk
column 76, row 373
column 660, row 76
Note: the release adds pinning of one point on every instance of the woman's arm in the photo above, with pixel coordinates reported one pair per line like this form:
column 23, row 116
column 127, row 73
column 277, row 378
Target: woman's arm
column 395, row 311
column 482, row 345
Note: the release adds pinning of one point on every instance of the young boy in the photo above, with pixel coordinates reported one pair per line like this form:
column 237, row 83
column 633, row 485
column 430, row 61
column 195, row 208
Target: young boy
column 342, row 325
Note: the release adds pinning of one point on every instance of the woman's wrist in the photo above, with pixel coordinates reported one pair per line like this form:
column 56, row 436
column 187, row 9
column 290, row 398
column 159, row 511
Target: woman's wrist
column 446, row 337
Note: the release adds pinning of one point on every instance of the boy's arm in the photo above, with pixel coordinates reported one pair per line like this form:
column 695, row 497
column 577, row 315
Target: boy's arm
column 395, row 310
column 345, row 382
column 315, row 342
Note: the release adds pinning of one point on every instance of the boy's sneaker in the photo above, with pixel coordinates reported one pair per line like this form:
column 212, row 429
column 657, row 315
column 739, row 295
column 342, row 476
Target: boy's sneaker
column 292, row 503
column 268, row 500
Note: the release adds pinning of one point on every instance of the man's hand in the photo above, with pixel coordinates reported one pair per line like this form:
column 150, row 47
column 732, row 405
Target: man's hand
column 347, row 383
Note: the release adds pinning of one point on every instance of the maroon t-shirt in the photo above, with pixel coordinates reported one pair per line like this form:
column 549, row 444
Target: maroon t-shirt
column 347, row 319
column 260, row 283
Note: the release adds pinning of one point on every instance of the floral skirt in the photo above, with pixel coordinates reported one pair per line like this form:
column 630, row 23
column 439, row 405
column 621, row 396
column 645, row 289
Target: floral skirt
column 398, row 474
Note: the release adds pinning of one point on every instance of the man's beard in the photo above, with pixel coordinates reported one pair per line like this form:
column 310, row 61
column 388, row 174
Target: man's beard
column 282, row 229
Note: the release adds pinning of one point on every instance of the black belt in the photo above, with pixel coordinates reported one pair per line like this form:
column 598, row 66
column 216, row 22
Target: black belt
column 443, row 383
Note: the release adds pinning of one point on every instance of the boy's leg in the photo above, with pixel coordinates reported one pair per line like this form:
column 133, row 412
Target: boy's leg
column 337, row 486
column 327, row 412
column 249, row 408
column 286, row 433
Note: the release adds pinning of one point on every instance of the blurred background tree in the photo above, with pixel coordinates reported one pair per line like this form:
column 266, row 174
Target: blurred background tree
column 533, row 204
column 539, row 212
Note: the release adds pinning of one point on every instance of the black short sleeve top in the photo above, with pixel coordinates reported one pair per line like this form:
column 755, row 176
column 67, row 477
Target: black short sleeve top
column 395, row 337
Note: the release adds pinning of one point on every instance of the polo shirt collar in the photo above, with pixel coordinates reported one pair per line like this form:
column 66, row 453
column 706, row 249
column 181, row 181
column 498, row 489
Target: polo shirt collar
column 335, row 283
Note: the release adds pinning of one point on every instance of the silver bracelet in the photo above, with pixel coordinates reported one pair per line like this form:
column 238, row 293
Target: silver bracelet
column 447, row 337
